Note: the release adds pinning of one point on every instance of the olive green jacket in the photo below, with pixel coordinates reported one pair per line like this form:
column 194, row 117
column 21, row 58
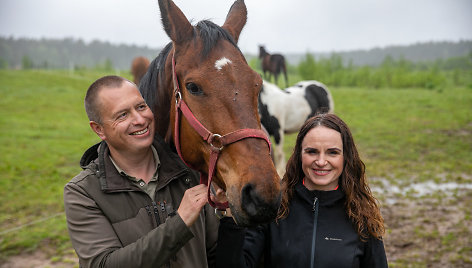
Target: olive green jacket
column 113, row 223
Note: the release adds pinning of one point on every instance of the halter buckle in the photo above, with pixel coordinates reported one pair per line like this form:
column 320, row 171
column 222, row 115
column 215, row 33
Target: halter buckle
column 219, row 144
column 178, row 97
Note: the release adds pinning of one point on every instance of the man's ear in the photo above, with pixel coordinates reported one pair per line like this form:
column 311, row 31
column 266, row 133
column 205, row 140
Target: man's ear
column 98, row 129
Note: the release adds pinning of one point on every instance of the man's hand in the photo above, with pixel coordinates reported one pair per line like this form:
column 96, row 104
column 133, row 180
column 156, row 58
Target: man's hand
column 219, row 196
column 192, row 202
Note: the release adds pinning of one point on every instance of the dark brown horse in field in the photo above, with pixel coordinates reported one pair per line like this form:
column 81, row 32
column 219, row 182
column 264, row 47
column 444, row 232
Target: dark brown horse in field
column 274, row 64
column 139, row 68
column 203, row 76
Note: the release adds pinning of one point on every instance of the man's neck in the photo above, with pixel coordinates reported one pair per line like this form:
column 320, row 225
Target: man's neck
column 137, row 164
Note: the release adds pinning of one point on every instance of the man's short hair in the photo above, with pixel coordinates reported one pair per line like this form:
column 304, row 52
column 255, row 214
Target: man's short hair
column 91, row 101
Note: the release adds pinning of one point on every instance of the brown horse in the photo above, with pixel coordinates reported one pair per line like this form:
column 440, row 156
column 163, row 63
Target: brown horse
column 139, row 68
column 272, row 63
column 203, row 76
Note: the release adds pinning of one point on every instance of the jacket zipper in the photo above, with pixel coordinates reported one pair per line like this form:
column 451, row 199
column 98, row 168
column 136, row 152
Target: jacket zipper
column 148, row 209
column 156, row 213
column 163, row 209
column 313, row 239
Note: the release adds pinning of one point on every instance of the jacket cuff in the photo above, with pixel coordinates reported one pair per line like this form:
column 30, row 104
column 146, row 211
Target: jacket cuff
column 182, row 231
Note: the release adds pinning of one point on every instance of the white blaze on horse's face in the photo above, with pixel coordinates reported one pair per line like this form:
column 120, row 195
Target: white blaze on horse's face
column 219, row 64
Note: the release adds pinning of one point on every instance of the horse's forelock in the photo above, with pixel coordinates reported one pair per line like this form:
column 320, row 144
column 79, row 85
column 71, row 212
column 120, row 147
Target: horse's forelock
column 210, row 33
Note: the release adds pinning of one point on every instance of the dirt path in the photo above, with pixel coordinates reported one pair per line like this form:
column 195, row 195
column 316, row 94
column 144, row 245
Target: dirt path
column 41, row 259
column 430, row 231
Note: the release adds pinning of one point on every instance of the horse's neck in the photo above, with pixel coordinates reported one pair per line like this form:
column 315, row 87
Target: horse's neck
column 262, row 53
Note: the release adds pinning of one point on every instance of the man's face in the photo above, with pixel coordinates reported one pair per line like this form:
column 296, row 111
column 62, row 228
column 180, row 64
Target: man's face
column 127, row 122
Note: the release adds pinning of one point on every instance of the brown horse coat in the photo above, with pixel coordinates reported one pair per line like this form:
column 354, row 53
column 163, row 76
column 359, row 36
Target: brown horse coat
column 221, row 91
column 274, row 64
column 139, row 67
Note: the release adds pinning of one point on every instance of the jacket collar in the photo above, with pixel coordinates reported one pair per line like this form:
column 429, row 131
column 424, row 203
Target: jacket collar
column 326, row 198
column 112, row 181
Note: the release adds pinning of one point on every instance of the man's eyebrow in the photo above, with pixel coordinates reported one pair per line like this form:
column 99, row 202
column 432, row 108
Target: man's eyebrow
column 115, row 114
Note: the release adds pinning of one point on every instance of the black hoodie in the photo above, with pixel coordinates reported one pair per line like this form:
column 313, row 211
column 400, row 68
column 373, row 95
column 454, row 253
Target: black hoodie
column 290, row 241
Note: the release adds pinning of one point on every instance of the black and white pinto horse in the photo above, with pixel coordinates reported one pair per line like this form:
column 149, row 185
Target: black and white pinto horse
column 285, row 111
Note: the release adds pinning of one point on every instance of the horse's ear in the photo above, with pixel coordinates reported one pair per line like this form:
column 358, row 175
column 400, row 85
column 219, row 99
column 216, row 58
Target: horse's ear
column 236, row 19
column 176, row 25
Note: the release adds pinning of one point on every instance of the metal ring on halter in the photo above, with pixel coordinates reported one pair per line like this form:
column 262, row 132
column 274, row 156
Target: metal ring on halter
column 220, row 214
column 178, row 97
column 210, row 141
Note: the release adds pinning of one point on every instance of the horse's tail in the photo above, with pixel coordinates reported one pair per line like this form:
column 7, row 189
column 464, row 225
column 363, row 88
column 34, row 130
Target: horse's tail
column 320, row 98
column 282, row 68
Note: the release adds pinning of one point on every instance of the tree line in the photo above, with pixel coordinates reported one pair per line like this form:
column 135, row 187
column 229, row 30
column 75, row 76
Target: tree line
column 68, row 53
column 430, row 65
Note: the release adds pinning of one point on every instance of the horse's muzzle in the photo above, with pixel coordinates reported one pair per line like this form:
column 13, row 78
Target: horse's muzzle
column 255, row 209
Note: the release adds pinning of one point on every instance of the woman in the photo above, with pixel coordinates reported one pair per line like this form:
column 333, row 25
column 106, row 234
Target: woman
column 328, row 215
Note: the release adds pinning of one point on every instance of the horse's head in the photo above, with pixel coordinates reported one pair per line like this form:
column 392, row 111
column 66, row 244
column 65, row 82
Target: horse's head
column 221, row 91
column 262, row 51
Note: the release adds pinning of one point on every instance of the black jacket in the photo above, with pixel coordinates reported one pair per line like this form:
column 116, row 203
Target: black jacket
column 289, row 243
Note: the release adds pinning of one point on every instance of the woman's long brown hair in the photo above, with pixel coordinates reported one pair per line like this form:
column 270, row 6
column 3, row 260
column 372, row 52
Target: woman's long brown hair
column 361, row 206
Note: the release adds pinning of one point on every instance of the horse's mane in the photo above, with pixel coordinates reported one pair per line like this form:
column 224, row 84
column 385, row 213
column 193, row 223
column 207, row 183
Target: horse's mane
column 208, row 32
column 148, row 85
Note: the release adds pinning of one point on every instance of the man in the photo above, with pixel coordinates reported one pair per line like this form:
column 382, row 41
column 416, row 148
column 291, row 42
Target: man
column 121, row 208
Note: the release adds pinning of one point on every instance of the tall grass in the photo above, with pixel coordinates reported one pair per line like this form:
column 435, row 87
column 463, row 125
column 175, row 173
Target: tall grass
column 455, row 72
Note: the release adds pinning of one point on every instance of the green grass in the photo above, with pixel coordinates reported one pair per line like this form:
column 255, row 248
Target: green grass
column 404, row 135
column 417, row 132
column 43, row 133
column 412, row 132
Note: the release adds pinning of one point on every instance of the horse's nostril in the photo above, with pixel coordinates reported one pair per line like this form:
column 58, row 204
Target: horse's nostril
column 250, row 200
column 257, row 208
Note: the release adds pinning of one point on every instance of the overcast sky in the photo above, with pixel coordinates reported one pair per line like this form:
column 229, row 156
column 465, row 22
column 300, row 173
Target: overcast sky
column 281, row 25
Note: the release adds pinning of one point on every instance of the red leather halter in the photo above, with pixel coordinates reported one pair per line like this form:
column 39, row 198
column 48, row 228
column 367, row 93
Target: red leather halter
column 216, row 141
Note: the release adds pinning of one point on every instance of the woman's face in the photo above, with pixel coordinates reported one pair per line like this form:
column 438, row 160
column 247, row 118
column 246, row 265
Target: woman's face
column 322, row 158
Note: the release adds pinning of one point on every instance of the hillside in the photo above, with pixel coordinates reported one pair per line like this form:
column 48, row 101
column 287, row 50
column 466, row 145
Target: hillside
column 419, row 52
column 68, row 53
column 74, row 53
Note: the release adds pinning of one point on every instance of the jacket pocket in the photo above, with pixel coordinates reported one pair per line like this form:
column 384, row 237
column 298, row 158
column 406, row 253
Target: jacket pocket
column 130, row 230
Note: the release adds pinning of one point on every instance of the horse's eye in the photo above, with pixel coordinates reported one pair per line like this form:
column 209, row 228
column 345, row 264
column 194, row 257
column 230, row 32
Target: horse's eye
column 193, row 89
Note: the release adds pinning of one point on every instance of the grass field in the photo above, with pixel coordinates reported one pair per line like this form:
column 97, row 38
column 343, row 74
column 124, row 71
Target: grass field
column 405, row 136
